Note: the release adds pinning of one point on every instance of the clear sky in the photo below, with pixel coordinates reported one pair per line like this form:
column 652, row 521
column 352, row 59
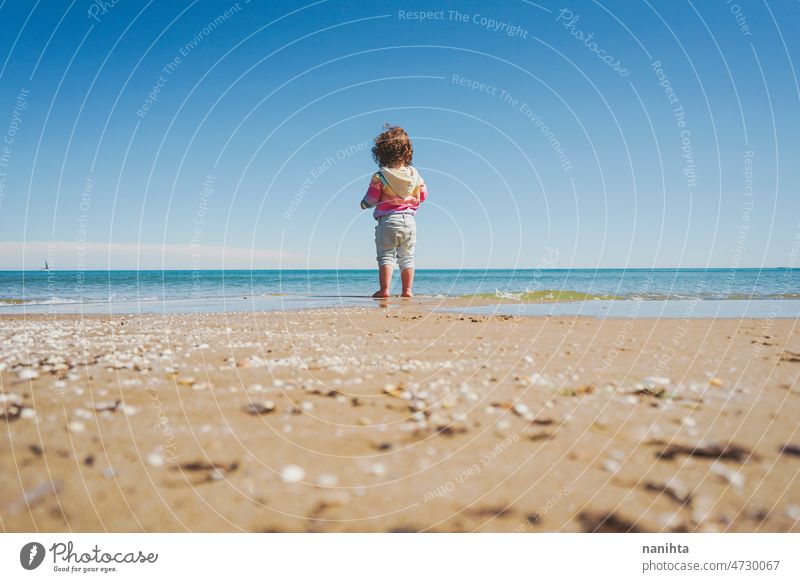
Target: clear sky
column 188, row 134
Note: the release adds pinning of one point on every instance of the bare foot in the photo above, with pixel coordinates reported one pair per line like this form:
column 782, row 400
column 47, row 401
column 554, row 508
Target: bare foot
column 380, row 294
column 407, row 294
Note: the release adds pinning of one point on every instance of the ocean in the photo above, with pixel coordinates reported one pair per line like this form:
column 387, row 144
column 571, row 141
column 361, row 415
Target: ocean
column 181, row 291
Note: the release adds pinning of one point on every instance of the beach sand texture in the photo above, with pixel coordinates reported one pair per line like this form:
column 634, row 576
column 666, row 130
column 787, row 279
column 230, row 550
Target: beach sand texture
column 398, row 419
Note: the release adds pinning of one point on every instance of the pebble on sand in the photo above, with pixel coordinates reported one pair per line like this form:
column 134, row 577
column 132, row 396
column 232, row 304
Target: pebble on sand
column 27, row 374
column 155, row 459
column 327, row 480
column 292, row 474
column 611, row 466
column 377, row 469
column 731, row 476
column 76, row 426
column 793, row 512
column 257, row 408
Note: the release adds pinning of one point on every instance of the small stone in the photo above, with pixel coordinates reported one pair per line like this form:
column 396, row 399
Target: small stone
column 111, row 406
column 155, row 459
column 393, row 390
column 715, row 382
column 76, row 426
column 521, row 410
column 502, row 424
column 416, row 405
column 731, row 476
column 656, row 382
column 378, row 470
column 327, row 480
column 793, row 512
column 27, row 374
column 539, row 380
column 292, row 474
column 610, row 465
column 257, row 408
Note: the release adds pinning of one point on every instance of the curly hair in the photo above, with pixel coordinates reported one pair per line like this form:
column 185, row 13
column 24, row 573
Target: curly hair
column 392, row 147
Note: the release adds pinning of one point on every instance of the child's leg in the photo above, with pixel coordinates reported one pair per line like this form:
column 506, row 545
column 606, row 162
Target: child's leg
column 405, row 254
column 387, row 252
column 385, row 280
column 407, row 276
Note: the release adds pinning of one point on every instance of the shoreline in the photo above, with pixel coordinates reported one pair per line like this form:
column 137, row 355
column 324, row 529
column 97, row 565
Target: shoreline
column 468, row 305
column 399, row 419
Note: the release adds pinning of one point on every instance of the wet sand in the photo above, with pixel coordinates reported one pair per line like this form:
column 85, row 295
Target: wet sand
column 398, row 419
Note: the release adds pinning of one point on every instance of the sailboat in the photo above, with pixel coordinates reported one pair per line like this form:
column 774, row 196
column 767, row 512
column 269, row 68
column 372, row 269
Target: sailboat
column 46, row 266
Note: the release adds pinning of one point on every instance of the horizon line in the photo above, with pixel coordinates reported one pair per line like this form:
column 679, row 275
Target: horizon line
column 190, row 270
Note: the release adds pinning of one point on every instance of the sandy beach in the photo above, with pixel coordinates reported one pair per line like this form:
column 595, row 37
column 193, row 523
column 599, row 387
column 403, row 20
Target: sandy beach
column 398, row 419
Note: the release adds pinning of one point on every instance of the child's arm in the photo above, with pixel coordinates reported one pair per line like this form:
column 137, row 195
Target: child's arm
column 423, row 192
column 373, row 195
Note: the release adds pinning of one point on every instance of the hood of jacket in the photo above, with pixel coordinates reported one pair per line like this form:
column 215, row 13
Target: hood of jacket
column 403, row 182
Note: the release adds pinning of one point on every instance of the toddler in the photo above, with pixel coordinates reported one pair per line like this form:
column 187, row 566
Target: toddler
column 396, row 191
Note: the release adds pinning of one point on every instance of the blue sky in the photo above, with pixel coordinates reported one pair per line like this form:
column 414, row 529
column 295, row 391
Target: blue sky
column 537, row 152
